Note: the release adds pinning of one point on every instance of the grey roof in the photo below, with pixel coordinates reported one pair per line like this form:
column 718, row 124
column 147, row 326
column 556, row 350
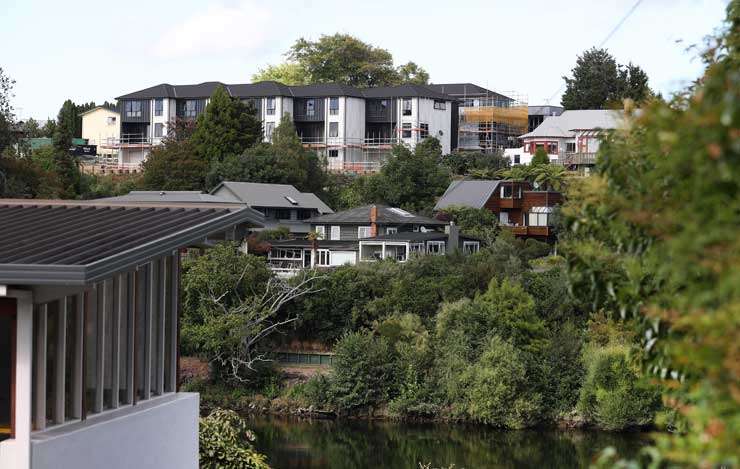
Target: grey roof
column 273, row 88
column 269, row 195
column 168, row 197
column 386, row 216
column 545, row 110
column 80, row 242
column 462, row 90
column 584, row 119
column 467, row 194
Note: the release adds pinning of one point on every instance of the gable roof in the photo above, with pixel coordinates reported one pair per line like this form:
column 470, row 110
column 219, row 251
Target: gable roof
column 386, row 216
column 467, row 194
column 57, row 242
column 112, row 109
column 166, row 197
column 256, row 194
column 583, row 119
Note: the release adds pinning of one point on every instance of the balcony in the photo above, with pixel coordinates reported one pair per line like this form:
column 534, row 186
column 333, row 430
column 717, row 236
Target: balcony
column 129, row 141
column 539, row 231
column 511, row 202
column 576, row 159
column 339, row 142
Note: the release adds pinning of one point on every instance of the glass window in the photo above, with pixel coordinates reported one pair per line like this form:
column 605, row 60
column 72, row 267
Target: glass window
column 191, row 107
column 132, row 108
column 333, row 129
column 406, row 106
column 336, row 233
column 517, row 159
column 471, row 247
column 406, row 130
column 269, row 129
column 333, row 153
column 363, row 232
column 270, row 107
column 391, row 230
column 436, row 247
column 441, row 105
column 570, row 147
column 423, row 130
column 323, row 257
column 538, row 219
column 158, row 130
column 320, row 231
column 334, row 106
column 552, row 148
column 158, row 106
column 310, row 107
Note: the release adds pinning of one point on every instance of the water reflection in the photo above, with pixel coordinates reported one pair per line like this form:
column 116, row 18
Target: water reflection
column 293, row 444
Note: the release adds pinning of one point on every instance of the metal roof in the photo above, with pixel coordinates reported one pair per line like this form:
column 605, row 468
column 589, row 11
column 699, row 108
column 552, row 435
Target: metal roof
column 467, row 194
column 54, row 242
column 386, row 216
column 256, row 194
column 169, row 197
column 465, row 90
column 584, row 119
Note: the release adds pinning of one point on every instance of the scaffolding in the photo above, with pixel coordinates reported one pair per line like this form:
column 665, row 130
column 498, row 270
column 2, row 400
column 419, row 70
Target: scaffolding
column 492, row 123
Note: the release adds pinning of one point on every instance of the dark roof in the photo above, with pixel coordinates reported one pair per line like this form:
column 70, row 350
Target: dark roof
column 460, row 90
column 77, row 243
column 473, row 193
column 273, row 88
column 256, row 194
column 386, row 216
column 169, row 197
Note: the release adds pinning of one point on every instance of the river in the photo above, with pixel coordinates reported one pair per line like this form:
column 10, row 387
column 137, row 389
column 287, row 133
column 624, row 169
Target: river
column 293, row 444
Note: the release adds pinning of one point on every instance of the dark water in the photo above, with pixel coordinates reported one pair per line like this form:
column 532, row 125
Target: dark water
column 292, row 443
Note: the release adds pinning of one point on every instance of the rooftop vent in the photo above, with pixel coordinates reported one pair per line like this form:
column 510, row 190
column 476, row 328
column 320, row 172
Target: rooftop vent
column 291, row 200
column 401, row 212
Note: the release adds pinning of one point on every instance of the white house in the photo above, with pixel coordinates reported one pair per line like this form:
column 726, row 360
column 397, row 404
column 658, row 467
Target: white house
column 101, row 126
column 89, row 344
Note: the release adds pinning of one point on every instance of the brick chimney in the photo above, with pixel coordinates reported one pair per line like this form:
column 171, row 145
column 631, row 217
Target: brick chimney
column 374, row 221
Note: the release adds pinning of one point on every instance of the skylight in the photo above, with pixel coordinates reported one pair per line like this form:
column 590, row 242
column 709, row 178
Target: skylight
column 401, row 212
column 291, row 200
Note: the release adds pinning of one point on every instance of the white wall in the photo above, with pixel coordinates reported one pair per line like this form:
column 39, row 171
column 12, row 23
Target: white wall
column 16, row 453
column 97, row 129
column 158, row 434
column 438, row 120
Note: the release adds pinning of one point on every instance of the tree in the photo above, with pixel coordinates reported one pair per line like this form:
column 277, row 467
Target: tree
column 65, row 164
column 284, row 161
column 7, row 118
column 226, row 128
column 478, row 222
column 598, row 82
column 224, row 442
column 174, row 166
column 475, row 164
column 341, row 58
column 653, row 237
column 287, row 73
column 540, row 157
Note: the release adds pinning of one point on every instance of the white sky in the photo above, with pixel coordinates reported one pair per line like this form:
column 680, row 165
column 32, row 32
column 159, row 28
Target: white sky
column 93, row 50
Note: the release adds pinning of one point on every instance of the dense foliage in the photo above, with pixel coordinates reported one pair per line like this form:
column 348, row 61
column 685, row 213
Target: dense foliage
column 226, row 443
column 653, row 237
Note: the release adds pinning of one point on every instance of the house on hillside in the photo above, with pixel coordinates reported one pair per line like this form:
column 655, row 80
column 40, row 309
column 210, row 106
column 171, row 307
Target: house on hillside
column 281, row 204
column 572, row 138
column 518, row 206
column 89, row 321
column 364, row 233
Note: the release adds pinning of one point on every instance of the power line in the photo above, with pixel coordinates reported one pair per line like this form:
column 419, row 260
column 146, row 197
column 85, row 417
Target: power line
column 606, row 39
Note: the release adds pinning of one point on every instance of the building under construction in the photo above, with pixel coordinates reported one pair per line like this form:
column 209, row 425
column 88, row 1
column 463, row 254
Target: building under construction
column 486, row 121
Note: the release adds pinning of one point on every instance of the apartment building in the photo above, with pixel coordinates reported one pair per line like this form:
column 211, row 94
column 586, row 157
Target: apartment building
column 355, row 128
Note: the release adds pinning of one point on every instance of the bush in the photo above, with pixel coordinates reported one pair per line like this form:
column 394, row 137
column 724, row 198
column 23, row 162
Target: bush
column 498, row 389
column 613, row 397
column 225, row 442
column 364, row 372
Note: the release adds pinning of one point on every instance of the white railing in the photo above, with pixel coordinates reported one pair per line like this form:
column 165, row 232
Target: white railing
column 130, row 141
column 350, row 142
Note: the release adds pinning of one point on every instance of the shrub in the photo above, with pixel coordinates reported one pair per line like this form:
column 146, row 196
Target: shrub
column 225, row 442
column 613, row 397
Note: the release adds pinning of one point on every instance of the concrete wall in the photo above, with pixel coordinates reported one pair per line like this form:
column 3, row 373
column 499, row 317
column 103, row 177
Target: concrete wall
column 157, row 434
column 97, row 128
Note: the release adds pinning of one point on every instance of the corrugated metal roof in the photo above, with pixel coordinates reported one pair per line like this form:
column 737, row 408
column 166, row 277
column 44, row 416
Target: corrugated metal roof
column 467, row 194
column 584, row 119
column 257, row 194
column 386, row 215
column 168, row 197
column 75, row 243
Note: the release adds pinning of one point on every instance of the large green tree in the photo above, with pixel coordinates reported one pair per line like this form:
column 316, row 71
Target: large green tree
column 6, row 111
column 65, row 164
column 341, row 58
column 174, row 166
column 227, row 127
column 653, row 236
column 598, row 82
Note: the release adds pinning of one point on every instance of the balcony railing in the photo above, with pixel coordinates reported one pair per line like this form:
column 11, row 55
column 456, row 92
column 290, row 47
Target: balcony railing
column 320, row 142
column 130, row 141
column 575, row 159
column 520, row 230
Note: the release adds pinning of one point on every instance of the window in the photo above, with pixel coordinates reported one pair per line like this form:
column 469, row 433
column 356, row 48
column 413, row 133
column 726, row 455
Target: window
column 552, row 148
column 391, row 230
column 333, row 106
column 320, row 231
column 132, row 108
column 406, row 130
column 333, row 153
column 270, row 106
column 323, row 257
column 282, row 213
column 336, row 233
column 406, row 106
column 333, row 129
column 416, row 248
column 436, row 247
column 191, row 108
column 304, row 214
column 509, row 191
column 7, row 367
column 87, row 347
column 158, row 106
column 539, row 216
column 310, row 107
column 570, row 147
column 517, row 159
column 269, row 129
column 363, row 232
column 423, row 130
column 111, row 120
column 441, row 105
column 158, row 130
column 470, row 247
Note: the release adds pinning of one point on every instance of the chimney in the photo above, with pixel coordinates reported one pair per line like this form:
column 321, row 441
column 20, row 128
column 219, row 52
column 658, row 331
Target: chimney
column 374, row 221
column 453, row 238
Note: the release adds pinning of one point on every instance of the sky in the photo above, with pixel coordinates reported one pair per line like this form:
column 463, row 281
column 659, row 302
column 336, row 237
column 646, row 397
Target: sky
column 93, row 50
